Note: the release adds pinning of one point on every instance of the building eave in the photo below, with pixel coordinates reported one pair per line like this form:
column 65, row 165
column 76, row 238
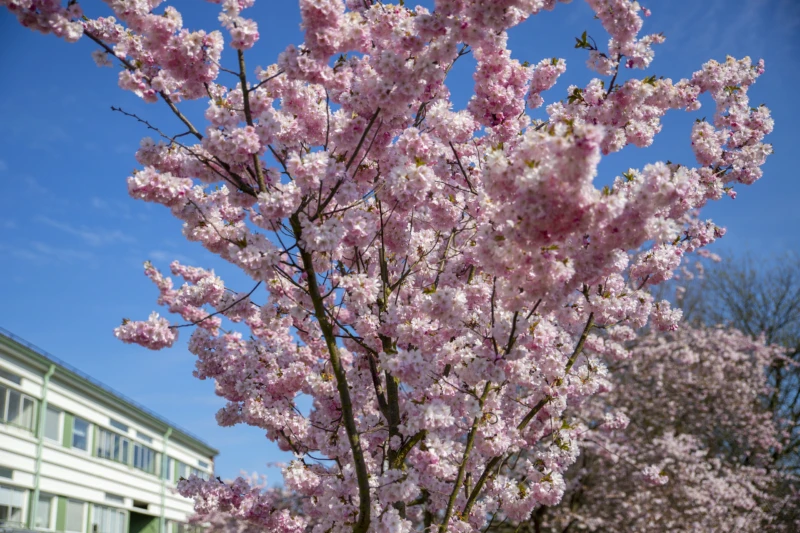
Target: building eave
column 38, row 359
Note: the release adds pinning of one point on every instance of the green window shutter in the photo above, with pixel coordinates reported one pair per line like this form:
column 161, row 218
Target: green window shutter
column 175, row 477
column 94, row 446
column 89, row 508
column 67, row 441
column 61, row 513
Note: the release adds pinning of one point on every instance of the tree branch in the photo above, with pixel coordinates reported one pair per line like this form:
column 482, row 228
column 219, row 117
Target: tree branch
column 359, row 462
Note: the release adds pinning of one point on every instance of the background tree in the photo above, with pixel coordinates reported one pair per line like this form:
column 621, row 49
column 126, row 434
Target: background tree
column 682, row 442
column 429, row 277
column 760, row 297
column 715, row 395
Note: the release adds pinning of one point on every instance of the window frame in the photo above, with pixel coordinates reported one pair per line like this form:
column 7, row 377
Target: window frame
column 119, row 454
column 9, row 376
column 6, row 392
column 183, row 470
column 23, row 508
column 145, row 438
column 119, row 426
column 107, row 508
column 83, row 516
column 167, row 467
column 153, row 461
column 59, row 423
column 110, row 497
column 88, row 436
column 51, row 518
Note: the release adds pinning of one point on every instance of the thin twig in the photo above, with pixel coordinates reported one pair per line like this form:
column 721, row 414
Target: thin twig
column 220, row 311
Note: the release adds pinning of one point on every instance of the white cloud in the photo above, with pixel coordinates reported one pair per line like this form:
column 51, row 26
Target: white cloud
column 61, row 254
column 111, row 208
column 168, row 257
column 91, row 236
column 35, row 187
column 41, row 253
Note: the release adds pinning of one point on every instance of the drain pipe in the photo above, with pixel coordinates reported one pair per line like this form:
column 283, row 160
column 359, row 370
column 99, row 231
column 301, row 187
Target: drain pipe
column 39, row 445
column 164, row 477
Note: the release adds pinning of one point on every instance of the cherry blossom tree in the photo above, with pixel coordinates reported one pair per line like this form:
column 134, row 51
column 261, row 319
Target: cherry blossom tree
column 759, row 298
column 689, row 415
column 429, row 277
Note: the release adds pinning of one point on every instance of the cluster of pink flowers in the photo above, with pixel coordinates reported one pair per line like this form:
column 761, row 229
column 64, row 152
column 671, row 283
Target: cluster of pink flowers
column 690, row 446
column 48, row 16
column 154, row 333
column 444, row 284
column 243, row 502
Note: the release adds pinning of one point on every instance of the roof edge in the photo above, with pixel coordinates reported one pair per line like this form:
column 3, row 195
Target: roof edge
column 25, row 351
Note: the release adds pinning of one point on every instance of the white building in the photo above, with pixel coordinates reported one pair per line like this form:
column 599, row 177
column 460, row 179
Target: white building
column 77, row 457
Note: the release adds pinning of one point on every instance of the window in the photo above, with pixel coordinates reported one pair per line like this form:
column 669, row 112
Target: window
column 166, row 467
column 52, row 423
column 144, row 458
column 200, row 473
column 142, row 436
column 74, row 521
column 13, row 405
column 44, row 512
column 11, row 503
column 119, row 425
column 6, row 472
column 108, row 520
column 27, row 415
column 80, row 434
column 202, row 464
column 17, row 408
column 13, row 378
column 114, row 498
column 113, row 446
column 183, row 470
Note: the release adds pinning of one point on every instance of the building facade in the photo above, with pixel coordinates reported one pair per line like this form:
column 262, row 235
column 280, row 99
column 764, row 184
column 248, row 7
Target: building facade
column 77, row 457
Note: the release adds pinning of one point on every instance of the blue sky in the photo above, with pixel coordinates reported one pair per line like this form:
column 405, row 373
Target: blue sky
column 72, row 242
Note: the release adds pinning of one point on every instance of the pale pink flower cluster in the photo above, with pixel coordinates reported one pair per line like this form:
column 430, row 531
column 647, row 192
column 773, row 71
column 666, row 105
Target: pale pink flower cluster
column 48, row 16
column 664, row 317
column 154, row 333
column 688, row 446
column 444, row 284
column 240, row 500
column 244, row 31
column 545, row 75
column 651, row 475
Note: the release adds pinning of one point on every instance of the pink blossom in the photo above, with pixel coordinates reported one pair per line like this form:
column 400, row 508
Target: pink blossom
column 652, row 476
column 155, row 333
